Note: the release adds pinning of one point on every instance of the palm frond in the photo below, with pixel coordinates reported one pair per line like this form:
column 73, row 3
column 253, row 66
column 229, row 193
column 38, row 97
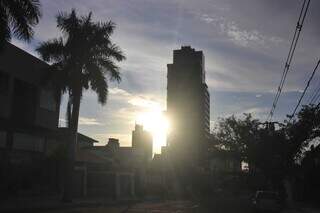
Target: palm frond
column 98, row 82
column 108, row 67
column 32, row 10
column 4, row 28
column 52, row 50
column 107, row 27
column 86, row 20
column 68, row 23
column 22, row 16
column 115, row 52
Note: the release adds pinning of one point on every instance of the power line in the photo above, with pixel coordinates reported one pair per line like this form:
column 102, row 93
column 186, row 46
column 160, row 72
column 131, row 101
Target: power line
column 318, row 99
column 305, row 89
column 292, row 49
column 318, row 105
column 288, row 61
column 316, row 95
column 290, row 55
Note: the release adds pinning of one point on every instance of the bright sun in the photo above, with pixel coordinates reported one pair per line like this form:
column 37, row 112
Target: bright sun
column 157, row 124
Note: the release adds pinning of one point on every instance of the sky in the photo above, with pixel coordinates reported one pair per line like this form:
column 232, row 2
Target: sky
column 245, row 44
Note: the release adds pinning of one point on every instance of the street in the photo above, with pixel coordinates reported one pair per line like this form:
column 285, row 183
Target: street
column 148, row 206
column 223, row 206
column 226, row 205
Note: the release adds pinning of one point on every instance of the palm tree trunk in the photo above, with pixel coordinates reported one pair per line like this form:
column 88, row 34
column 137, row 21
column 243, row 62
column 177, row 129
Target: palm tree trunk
column 72, row 146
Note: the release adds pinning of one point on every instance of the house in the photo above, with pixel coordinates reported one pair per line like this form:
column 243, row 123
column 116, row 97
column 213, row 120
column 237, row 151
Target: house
column 105, row 171
column 33, row 147
column 29, row 114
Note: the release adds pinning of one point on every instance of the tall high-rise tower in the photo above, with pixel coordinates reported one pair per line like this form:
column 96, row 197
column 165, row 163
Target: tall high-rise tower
column 188, row 105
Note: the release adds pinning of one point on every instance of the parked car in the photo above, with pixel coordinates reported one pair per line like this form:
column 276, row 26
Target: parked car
column 267, row 201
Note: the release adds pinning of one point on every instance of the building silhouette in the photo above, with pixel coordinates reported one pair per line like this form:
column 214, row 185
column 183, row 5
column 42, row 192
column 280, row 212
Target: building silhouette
column 29, row 112
column 142, row 143
column 29, row 115
column 188, row 105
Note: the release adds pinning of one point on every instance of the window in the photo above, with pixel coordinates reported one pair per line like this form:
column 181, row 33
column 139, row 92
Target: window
column 3, row 138
column 47, row 100
column 28, row 142
column 4, row 83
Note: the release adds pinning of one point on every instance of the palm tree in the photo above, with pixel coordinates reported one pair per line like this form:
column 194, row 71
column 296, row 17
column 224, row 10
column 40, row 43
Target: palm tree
column 83, row 58
column 17, row 17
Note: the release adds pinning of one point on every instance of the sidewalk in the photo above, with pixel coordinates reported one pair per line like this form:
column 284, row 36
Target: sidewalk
column 308, row 209
column 302, row 208
column 38, row 204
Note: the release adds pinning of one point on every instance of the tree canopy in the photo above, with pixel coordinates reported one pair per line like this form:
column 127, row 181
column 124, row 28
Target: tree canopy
column 17, row 18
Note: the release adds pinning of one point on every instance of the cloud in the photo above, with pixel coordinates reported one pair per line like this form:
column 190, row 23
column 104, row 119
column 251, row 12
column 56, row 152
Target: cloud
column 244, row 42
column 82, row 121
column 238, row 35
column 62, row 122
column 210, row 19
column 115, row 91
column 144, row 102
column 137, row 100
column 122, row 110
column 256, row 110
column 89, row 121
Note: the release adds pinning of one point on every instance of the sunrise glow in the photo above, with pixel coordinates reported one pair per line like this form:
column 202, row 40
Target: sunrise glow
column 157, row 124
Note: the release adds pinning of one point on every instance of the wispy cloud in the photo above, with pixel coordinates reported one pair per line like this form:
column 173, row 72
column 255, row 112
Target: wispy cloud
column 89, row 121
column 256, row 110
column 117, row 92
column 238, row 35
column 138, row 100
column 82, row 121
column 244, row 43
column 143, row 102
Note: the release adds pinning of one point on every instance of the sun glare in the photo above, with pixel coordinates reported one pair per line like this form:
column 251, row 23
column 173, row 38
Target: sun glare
column 157, row 124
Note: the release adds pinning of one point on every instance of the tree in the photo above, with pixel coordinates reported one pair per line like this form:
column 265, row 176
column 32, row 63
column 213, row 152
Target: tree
column 261, row 145
column 17, row 17
column 271, row 154
column 238, row 135
column 81, row 59
column 302, row 129
column 270, row 151
column 303, row 135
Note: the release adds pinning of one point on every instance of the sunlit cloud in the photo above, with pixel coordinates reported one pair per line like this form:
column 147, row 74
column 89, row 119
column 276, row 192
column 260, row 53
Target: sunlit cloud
column 82, row 121
column 89, row 121
column 236, row 34
column 244, row 43
column 117, row 92
column 144, row 102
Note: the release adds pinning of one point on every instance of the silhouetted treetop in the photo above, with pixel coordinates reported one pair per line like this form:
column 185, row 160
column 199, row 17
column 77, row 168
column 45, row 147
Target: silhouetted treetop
column 17, row 17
